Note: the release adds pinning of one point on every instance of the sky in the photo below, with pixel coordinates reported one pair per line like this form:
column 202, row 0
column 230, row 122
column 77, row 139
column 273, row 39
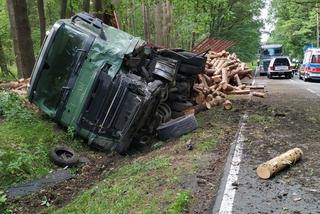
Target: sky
column 268, row 27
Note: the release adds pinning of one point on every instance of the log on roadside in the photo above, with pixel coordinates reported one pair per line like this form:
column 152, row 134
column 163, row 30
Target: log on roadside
column 258, row 94
column 269, row 168
column 255, row 86
column 227, row 105
column 239, row 92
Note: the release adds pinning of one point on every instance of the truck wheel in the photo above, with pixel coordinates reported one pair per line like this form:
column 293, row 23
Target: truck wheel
column 177, row 127
column 180, row 106
column 63, row 156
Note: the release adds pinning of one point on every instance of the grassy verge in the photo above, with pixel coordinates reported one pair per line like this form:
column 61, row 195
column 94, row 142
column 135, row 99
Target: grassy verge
column 25, row 139
column 155, row 182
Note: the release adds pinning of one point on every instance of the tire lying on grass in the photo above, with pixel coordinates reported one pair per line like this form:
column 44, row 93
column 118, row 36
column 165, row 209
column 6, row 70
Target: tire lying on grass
column 64, row 156
column 177, row 127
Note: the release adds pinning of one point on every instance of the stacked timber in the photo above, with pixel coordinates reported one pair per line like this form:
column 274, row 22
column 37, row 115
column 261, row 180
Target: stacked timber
column 222, row 76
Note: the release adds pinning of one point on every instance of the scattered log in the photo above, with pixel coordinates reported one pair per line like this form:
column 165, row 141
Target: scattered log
column 258, row 94
column 269, row 168
column 239, row 92
column 227, row 105
column 9, row 85
column 255, row 86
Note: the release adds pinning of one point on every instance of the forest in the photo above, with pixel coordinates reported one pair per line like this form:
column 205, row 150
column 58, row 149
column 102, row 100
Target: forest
column 295, row 24
column 168, row 23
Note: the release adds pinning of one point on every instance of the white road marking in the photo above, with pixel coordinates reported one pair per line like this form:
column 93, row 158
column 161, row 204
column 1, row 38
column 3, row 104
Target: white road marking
column 313, row 92
column 230, row 190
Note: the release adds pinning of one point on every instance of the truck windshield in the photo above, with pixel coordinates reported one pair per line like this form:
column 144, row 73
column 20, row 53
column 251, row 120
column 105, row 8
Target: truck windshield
column 272, row 52
column 58, row 64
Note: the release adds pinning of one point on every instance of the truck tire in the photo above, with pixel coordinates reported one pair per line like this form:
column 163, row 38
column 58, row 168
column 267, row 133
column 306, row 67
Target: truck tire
column 180, row 106
column 177, row 127
column 63, row 156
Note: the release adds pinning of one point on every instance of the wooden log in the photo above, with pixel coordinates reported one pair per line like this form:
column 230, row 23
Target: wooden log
column 215, row 102
column 196, row 109
column 209, row 98
column 269, row 168
column 203, row 80
column 216, row 63
column 259, row 94
column 227, row 105
column 209, row 81
column 221, row 94
column 219, row 87
column 213, row 88
column 216, row 78
column 224, row 76
column 9, row 85
column 210, row 71
column 237, row 79
column 200, row 98
column 242, row 87
column 255, row 86
column 227, row 87
column 239, row 92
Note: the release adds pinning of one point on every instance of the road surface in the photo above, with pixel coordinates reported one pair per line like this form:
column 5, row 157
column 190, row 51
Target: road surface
column 289, row 117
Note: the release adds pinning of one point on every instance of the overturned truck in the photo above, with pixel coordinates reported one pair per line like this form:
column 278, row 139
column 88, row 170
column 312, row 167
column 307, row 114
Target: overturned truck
column 112, row 87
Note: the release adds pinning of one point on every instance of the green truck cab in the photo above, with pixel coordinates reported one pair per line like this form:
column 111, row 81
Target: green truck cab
column 103, row 82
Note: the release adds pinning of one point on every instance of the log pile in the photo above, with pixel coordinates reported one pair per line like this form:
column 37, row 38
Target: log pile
column 19, row 87
column 222, row 76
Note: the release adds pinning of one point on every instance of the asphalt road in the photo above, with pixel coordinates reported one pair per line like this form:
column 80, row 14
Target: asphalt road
column 289, row 117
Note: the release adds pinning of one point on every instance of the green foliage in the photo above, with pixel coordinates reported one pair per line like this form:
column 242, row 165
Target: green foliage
column 25, row 140
column 11, row 107
column 295, row 25
column 181, row 202
column 224, row 19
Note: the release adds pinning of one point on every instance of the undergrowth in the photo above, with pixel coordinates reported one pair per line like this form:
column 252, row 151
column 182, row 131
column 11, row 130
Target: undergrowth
column 25, row 139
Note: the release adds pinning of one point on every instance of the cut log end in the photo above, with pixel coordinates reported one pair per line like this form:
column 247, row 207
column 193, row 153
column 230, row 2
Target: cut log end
column 263, row 172
column 271, row 167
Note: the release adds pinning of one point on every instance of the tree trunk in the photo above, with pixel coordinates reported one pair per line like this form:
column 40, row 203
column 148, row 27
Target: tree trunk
column 63, row 11
column 42, row 20
column 158, row 24
column 21, row 35
column 3, row 61
column 86, row 5
column 98, row 9
column 145, row 9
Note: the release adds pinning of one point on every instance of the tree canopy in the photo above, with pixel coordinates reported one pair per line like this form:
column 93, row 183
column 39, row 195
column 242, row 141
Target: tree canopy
column 295, row 24
column 168, row 23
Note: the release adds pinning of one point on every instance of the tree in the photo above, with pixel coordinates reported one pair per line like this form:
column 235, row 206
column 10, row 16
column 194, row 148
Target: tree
column 21, row 35
column 145, row 9
column 86, row 6
column 42, row 20
column 295, row 26
column 63, row 10
column 98, row 9
column 3, row 61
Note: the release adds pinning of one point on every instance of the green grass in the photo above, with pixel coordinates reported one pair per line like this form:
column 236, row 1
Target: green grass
column 181, row 202
column 25, row 139
column 260, row 119
column 153, row 182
